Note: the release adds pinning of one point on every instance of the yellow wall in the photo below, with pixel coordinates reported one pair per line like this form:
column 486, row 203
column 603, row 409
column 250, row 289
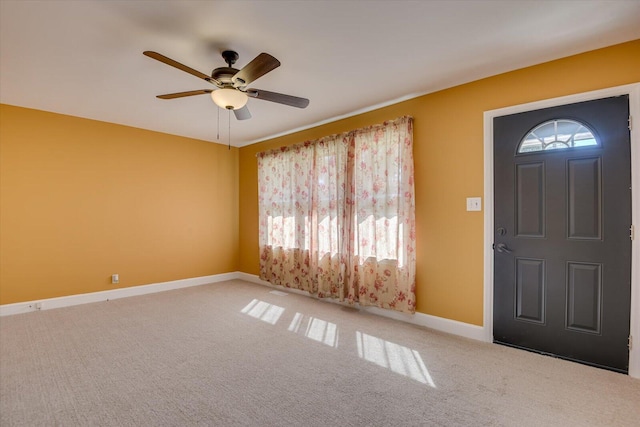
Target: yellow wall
column 448, row 152
column 82, row 199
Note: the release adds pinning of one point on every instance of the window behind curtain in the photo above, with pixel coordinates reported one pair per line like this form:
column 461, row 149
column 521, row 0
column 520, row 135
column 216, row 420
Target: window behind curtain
column 337, row 216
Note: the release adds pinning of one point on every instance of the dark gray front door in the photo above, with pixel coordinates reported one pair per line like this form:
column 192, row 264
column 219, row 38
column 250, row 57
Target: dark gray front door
column 562, row 251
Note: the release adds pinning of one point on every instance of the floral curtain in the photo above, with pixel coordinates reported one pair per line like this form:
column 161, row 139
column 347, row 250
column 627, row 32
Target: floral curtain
column 337, row 216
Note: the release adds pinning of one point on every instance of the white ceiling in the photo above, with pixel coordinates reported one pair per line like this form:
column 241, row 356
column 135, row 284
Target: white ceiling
column 84, row 58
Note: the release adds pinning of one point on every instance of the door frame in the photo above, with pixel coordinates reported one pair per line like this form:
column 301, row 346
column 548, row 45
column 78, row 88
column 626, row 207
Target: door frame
column 633, row 90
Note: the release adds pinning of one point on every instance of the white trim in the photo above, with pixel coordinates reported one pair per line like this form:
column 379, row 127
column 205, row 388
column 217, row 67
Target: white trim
column 433, row 322
column 634, row 110
column 66, row 301
column 336, row 118
column 633, row 90
column 438, row 323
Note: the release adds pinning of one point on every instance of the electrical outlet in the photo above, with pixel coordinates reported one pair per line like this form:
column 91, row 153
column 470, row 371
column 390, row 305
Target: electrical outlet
column 115, row 278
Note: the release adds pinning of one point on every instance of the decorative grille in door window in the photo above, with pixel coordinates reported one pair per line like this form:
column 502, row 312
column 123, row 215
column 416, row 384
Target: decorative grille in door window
column 557, row 134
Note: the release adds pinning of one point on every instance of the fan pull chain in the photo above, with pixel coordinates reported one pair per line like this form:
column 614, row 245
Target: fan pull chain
column 218, row 134
column 229, row 136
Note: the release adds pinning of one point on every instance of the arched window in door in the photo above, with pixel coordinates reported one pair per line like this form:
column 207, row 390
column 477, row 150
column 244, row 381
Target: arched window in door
column 557, row 134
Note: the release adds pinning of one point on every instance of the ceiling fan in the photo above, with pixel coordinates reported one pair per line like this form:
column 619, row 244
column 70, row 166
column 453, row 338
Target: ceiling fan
column 231, row 91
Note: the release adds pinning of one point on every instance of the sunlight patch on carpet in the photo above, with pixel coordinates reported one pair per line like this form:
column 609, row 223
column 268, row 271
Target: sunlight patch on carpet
column 264, row 311
column 322, row 331
column 295, row 322
column 397, row 358
column 317, row 329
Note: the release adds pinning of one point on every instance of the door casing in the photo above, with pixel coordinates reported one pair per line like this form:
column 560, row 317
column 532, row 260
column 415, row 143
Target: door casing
column 633, row 90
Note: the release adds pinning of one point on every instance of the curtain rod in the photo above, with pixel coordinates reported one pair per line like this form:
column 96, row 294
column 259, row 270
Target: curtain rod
column 336, row 135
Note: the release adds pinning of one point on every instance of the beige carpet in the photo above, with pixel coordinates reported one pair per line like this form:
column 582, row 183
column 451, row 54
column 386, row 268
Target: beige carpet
column 237, row 354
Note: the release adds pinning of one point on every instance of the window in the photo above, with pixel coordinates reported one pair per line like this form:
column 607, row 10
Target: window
column 337, row 216
column 557, row 134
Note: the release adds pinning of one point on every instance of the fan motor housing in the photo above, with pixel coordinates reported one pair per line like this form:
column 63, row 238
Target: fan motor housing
column 224, row 74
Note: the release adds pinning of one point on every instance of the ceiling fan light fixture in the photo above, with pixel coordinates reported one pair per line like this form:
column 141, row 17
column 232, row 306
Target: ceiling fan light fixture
column 230, row 99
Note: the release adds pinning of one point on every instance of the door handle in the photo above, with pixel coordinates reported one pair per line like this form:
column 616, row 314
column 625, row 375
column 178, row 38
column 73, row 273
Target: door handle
column 502, row 248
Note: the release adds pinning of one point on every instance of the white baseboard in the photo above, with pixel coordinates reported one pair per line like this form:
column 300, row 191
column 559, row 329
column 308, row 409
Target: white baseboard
column 433, row 322
column 66, row 301
column 438, row 323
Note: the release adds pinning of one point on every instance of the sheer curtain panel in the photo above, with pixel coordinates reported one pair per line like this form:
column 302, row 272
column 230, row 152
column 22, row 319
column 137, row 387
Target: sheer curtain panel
column 337, row 216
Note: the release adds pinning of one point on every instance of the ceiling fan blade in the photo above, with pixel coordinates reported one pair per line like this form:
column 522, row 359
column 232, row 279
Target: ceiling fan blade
column 183, row 94
column 280, row 98
column 176, row 64
column 242, row 113
column 255, row 69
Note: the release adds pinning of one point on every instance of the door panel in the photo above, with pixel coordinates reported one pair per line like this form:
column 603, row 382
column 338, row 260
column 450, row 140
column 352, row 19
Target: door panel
column 584, row 187
column 584, row 297
column 530, row 292
column 562, row 281
column 530, row 212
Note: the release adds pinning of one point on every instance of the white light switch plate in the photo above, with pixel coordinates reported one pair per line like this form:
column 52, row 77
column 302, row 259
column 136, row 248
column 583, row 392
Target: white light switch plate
column 474, row 203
